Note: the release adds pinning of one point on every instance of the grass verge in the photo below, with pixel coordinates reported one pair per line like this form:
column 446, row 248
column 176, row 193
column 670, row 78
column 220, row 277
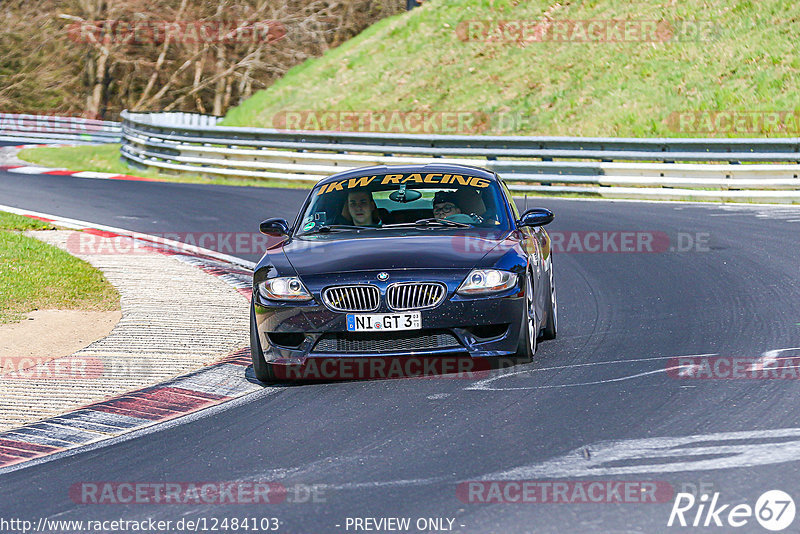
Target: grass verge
column 701, row 58
column 35, row 275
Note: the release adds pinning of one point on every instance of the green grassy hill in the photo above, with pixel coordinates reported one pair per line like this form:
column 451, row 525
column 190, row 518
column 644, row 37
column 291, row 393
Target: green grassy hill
column 743, row 58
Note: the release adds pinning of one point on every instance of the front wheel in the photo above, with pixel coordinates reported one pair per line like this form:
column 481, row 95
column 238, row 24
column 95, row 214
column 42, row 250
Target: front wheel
column 527, row 336
column 551, row 323
column 263, row 371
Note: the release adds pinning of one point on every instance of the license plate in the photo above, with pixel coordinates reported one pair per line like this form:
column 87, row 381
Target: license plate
column 384, row 322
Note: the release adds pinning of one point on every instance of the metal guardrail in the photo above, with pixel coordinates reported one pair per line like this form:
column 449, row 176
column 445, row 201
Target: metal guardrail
column 617, row 167
column 50, row 129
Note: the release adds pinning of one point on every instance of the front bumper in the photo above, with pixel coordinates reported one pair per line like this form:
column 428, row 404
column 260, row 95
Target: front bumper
column 473, row 327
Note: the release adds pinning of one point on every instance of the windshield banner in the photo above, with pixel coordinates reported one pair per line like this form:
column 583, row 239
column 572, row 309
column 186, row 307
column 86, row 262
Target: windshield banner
column 399, row 179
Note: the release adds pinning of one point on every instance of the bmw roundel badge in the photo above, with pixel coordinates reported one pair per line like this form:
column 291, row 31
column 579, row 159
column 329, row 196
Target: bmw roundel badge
column 383, row 276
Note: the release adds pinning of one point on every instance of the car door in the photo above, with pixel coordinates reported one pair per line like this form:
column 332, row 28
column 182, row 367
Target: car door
column 531, row 240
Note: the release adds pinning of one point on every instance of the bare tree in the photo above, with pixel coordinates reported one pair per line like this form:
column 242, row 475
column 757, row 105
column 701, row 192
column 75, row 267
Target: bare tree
column 97, row 57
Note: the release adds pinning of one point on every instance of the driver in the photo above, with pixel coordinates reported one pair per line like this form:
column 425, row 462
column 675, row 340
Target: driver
column 362, row 208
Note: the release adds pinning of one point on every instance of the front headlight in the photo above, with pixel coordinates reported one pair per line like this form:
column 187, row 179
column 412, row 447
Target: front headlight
column 284, row 288
column 483, row 281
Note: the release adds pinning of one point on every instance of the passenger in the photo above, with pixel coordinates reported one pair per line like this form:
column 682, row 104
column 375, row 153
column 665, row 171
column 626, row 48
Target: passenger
column 362, row 209
column 448, row 205
column 445, row 205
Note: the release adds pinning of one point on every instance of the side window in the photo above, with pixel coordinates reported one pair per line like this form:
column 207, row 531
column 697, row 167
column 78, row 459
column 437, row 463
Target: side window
column 510, row 197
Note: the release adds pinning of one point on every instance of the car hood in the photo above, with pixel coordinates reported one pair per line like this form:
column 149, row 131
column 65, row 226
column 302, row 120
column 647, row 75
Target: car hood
column 424, row 249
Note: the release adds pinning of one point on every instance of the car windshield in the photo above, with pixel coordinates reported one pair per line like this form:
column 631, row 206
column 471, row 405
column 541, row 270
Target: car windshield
column 385, row 201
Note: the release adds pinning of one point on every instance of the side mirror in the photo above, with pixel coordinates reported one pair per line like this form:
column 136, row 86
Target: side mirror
column 275, row 227
column 536, row 217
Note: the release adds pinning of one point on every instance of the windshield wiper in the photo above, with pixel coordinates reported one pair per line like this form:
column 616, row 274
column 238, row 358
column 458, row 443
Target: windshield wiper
column 431, row 222
column 324, row 229
column 445, row 222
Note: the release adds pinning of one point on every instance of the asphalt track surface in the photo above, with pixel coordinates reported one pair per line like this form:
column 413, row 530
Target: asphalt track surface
column 399, row 448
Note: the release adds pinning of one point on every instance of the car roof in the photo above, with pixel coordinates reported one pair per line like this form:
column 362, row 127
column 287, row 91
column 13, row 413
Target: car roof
column 445, row 168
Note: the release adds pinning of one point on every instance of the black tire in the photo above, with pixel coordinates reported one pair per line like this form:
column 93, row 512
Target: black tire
column 526, row 347
column 263, row 371
column 550, row 329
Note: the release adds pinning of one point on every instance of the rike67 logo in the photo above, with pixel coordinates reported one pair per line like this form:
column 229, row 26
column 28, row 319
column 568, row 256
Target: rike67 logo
column 774, row 510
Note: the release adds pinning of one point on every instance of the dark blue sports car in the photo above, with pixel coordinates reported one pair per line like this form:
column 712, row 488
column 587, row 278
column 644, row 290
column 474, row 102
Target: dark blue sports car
column 414, row 264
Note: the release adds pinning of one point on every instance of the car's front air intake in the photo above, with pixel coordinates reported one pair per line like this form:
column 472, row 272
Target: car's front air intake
column 415, row 295
column 360, row 298
column 384, row 342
